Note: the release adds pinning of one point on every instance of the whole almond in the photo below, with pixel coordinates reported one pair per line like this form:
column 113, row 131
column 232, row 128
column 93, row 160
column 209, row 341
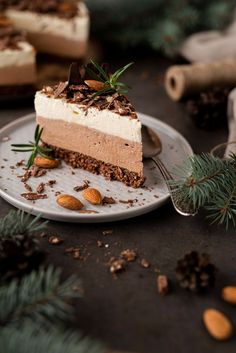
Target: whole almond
column 96, row 85
column 70, row 202
column 217, row 324
column 93, row 196
column 229, row 294
column 46, row 163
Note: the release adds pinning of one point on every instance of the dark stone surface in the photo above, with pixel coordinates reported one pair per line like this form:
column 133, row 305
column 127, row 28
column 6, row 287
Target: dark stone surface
column 127, row 312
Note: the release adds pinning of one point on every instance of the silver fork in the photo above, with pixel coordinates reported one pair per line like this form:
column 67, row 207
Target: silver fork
column 152, row 147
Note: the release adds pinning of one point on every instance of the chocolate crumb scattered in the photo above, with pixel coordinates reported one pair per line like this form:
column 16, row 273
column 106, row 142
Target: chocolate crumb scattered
column 5, row 139
column 130, row 202
column 51, row 183
column 55, row 240
column 77, row 254
column 57, row 193
column 34, row 196
column 26, row 176
column 88, row 211
column 116, row 265
column 20, row 163
column 107, row 232
column 100, row 244
column 108, row 200
column 82, row 187
column 28, row 187
column 40, row 188
column 162, row 285
column 128, row 255
column 37, row 172
column 144, row 263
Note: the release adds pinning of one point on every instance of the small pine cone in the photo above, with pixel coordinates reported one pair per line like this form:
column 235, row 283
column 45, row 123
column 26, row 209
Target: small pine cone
column 18, row 256
column 209, row 109
column 195, row 272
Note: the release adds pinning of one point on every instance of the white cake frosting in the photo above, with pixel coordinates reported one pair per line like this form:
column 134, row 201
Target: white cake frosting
column 76, row 28
column 105, row 121
column 25, row 55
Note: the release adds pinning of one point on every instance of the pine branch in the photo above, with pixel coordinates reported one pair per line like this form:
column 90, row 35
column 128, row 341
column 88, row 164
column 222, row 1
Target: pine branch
column 18, row 222
column 30, row 340
column 209, row 182
column 39, row 297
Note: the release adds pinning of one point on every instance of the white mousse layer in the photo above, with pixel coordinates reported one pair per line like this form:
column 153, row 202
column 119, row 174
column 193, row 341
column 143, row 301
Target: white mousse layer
column 76, row 28
column 18, row 57
column 105, row 120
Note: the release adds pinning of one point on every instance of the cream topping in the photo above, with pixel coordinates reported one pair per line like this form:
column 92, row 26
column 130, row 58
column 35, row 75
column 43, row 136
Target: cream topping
column 18, row 57
column 104, row 120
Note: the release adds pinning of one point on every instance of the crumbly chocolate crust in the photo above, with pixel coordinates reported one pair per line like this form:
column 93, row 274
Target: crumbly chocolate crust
column 84, row 95
column 61, row 8
column 9, row 36
column 109, row 171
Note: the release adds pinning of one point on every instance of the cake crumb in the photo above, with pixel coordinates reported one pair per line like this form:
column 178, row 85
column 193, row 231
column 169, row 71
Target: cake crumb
column 162, row 285
column 107, row 232
column 116, row 265
column 55, row 240
column 128, row 255
column 144, row 263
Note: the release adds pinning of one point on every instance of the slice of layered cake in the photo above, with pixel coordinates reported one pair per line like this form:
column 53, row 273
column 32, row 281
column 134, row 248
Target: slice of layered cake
column 17, row 59
column 91, row 124
column 58, row 27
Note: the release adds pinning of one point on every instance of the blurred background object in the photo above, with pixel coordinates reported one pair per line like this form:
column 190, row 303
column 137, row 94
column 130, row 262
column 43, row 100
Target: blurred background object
column 158, row 24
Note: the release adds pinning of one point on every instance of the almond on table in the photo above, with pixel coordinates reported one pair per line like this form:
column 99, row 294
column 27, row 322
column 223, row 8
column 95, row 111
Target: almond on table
column 229, row 294
column 93, row 196
column 70, row 202
column 217, row 324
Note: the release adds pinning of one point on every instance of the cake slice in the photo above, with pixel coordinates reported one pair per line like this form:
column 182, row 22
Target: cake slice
column 58, row 27
column 93, row 126
column 17, row 58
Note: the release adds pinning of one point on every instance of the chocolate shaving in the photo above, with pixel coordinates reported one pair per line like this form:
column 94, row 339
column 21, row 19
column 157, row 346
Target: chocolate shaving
column 108, row 200
column 82, row 187
column 34, row 196
column 60, row 89
column 74, row 77
column 28, row 187
column 40, row 188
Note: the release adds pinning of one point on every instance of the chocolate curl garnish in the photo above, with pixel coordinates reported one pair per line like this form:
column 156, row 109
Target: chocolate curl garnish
column 74, row 77
column 61, row 88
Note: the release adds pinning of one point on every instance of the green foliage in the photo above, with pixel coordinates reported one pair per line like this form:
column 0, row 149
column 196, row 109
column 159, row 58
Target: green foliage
column 18, row 222
column 209, row 182
column 34, row 147
column 156, row 23
column 39, row 296
column 111, row 83
column 30, row 339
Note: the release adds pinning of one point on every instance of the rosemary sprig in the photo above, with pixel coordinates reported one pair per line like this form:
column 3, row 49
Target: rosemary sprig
column 33, row 147
column 111, row 81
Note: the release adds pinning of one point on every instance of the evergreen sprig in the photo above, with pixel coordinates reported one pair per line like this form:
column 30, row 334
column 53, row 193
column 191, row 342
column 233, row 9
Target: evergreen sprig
column 111, row 81
column 30, row 339
column 34, row 147
column 209, row 182
column 39, row 296
column 18, row 222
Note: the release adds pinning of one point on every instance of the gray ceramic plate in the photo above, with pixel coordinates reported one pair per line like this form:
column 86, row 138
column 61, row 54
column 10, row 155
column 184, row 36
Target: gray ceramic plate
column 151, row 196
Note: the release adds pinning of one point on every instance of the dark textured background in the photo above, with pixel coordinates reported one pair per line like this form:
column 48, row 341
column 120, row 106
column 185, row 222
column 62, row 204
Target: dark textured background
column 127, row 312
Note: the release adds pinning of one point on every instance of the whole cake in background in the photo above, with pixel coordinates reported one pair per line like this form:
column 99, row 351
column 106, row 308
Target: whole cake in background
column 90, row 123
column 17, row 59
column 58, row 27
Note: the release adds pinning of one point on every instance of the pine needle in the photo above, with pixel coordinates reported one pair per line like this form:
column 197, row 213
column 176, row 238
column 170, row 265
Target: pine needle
column 39, row 297
column 18, row 222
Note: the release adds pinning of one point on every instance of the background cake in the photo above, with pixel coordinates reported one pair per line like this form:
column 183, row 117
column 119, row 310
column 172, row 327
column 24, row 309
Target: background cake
column 17, row 58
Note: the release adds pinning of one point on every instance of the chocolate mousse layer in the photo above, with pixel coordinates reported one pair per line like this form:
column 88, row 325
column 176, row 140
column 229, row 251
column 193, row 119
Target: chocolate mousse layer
column 110, row 149
column 17, row 75
column 56, row 45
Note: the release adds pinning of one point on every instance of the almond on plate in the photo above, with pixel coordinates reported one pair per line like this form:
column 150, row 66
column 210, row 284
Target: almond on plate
column 93, row 196
column 217, row 324
column 70, row 202
column 46, row 163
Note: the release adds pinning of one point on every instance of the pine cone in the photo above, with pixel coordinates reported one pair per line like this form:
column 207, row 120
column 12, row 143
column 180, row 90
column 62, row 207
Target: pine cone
column 195, row 272
column 18, row 255
column 209, row 109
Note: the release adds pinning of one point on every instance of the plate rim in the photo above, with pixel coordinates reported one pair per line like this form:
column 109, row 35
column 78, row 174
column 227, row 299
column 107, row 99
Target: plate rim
column 99, row 217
